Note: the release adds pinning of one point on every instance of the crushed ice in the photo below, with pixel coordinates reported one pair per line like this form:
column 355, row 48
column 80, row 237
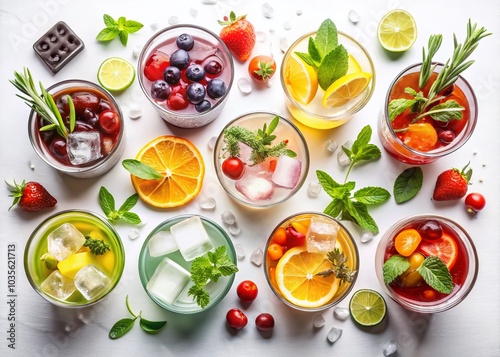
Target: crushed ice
column 257, row 257
column 353, row 16
column 313, row 189
column 244, row 86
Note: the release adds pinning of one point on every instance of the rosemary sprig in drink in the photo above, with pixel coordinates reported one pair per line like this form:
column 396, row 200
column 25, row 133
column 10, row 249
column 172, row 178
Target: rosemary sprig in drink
column 43, row 104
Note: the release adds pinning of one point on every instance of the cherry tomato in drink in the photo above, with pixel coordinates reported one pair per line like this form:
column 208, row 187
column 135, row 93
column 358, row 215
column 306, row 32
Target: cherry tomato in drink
column 233, row 168
column 475, row 202
column 279, row 236
column 264, row 322
column 109, row 122
column 275, row 251
column 236, row 319
column 247, row 291
column 261, row 68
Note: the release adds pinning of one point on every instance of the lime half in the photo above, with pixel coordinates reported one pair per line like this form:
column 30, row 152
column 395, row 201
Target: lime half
column 115, row 74
column 397, row 31
column 367, row 307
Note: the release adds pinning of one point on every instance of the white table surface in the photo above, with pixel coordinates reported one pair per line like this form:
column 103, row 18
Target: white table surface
column 470, row 329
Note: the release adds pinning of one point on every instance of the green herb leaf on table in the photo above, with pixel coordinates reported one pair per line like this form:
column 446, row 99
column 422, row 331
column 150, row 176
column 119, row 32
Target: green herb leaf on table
column 141, row 170
column 121, row 327
column 121, row 28
column 151, row 327
column 394, row 267
column 107, row 203
column 436, row 274
column 408, row 184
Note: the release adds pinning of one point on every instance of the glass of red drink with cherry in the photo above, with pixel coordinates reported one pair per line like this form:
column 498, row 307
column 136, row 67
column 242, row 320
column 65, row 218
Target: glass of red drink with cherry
column 426, row 263
column 186, row 72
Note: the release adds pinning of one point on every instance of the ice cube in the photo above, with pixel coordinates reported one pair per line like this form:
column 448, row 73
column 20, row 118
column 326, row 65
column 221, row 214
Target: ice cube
column 245, row 154
column 390, row 348
column 342, row 157
column 91, row 282
column 366, row 236
column 314, row 189
column 267, row 10
column 207, row 203
column 162, row 243
column 353, row 16
column 58, row 286
column 331, row 146
column 334, row 334
column 319, row 321
column 341, row 313
column 234, row 229
column 287, row 172
column 240, row 251
column 255, row 188
column 257, row 257
column 64, row 241
column 321, row 235
column 244, row 86
column 228, row 217
column 191, row 238
column 168, row 281
column 83, row 146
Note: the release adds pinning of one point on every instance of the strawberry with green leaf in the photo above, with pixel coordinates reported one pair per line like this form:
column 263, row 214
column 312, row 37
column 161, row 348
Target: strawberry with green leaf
column 239, row 35
column 30, row 196
column 452, row 184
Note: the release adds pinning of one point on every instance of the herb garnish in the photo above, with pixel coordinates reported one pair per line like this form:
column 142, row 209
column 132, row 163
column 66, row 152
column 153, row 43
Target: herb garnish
column 43, row 104
column 121, row 28
column 426, row 106
column 330, row 59
column 354, row 208
column 107, row 203
column 408, row 184
column 123, row 326
column 340, row 269
column 209, row 268
column 141, row 170
column 260, row 142
column 96, row 246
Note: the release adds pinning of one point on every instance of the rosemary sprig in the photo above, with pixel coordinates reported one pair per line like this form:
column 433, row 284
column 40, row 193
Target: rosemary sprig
column 260, row 142
column 339, row 267
column 427, row 67
column 43, row 104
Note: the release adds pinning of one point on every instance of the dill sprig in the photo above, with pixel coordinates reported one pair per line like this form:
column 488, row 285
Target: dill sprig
column 43, row 104
column 339, row 267
column 260, row 142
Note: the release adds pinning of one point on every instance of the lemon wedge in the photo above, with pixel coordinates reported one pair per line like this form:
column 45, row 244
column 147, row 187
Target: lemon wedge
column 345, row 89
column 301, row 79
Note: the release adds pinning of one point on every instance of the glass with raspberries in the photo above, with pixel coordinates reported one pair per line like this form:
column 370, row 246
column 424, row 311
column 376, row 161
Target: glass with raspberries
column 426, row 263
column 186, row 72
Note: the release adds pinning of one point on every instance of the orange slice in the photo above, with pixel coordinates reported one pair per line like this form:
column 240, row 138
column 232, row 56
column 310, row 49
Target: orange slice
column 297, row 280
column 444, row 248
column 182, row 166
column 407, row 241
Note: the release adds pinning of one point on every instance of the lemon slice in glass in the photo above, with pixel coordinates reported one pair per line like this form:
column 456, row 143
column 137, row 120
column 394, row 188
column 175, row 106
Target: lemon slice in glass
column 345, row 89
column 397, row 31
column 301, row 79
column 367, row 307
column 115, row 74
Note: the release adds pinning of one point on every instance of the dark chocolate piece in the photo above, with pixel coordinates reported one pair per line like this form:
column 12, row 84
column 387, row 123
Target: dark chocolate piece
column 58, row 46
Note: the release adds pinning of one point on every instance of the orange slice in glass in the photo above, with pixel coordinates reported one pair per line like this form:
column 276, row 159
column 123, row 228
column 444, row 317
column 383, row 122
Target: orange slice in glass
column 444, row 248
column 407, row 241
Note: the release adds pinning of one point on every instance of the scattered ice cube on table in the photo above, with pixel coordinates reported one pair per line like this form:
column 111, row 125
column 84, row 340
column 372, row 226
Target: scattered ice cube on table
column 366, row 236
column 207, row 203
column 255, row 188
column 334, row 334
column 390, row 348
column 191, row 238
column 228, row 217
column 257, row 257
column 64, row 241
column 319, row 321
column 234, row 229
column 58, row 286
column 341, row 313
column 162, row 243
column 267, row 11
column 136, row 51
column 168, row 281
column 173, row 20
column 299, row 12
column 314, row 189
column 193, row 12
column 240, row 251
column 91, row 282
column 211, row 142
column 154, row 26
column 287, row 172
column 134, row 233
column 331, row 146
column 287, row 25
column 83, row 146
column 283, row 44
column 260, row 36
column 342, row 157
column 321, row 235
column 353, row 16
column 134, row 110
column 244, row 86
column 32, row 165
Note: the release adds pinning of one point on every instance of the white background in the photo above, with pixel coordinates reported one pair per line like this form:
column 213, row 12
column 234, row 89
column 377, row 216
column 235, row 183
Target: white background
column 471, row 328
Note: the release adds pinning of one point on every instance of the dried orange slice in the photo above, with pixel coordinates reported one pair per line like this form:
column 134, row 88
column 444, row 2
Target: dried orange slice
column 182, row 166
column 407, row 241
column 444, row 248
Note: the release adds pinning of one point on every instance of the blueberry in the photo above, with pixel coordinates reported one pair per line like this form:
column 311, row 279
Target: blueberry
column 160, row 90
column 179, row 59
column 172, row 75
column 195, row 92
column 203, row 106
column 185, row 42
column 213, row 67
column 216, row 88
column 195, row 73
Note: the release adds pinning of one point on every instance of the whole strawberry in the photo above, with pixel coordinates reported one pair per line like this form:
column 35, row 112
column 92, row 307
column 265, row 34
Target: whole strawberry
column 452, row 184
column 30, row 196
column 239, row 36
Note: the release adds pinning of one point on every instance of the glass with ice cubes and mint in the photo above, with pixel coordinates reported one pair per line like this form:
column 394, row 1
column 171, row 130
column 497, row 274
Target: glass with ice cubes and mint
column 74, row 258
column 167, row 255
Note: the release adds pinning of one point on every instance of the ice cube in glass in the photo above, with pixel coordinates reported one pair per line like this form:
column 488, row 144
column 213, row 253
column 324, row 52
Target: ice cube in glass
column 84, row 147
column 321, row 235
column 192, row 238
column 64, row 241
column 58, row 286
column 91, row 282
column 168, row 281
column 287, row 172
column 255, row 188
column 162, row 243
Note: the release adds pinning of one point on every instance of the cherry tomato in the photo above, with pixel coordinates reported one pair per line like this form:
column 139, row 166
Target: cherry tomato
column 475, row 202
column 264, row 322
column 279, row 236
column 247, row 291
column 236, row 319
column 109, row 122
column 261, row 68
column 275, row 251
column 233, row 168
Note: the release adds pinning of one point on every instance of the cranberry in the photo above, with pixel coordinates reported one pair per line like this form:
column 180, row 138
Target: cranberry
column 446, row 136
column 58, row 148
column 264, row 322
column 236, row 319
column 430, row 230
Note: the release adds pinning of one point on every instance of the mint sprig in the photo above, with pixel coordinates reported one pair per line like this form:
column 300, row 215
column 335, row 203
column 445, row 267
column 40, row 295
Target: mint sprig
column 408, row 184
column 107, row 203
column 141, row 170
column 121, row 28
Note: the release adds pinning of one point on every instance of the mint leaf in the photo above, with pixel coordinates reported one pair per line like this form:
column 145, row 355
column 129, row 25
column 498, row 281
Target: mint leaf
column 359, row 212
column 109, row 21
column 200, row 295
column 397, row 106
column 106, row 201
column 121, row 327
column 327, row 182
column 362, row 139
column 361, row 149
column 313, row 53
column 151, row 327
column 132, row 26
column 394, row 267
column 123, row 38
column 333, row 66
column 141, row 170
column 436, row 274
column 334, row 208
column 444, row 112
column 372, row 195
column 129, row 203
column 408, row 184
column 326, row 38
column 130, row 218
column 120, row 28
column 307, row 59
column 107, row 34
